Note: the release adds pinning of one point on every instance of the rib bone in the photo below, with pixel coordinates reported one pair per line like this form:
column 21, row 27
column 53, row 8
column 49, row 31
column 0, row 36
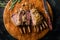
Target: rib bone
column 20, row 30
column 45, row 24
column 40, row 27
column 28, row 28
column 24, row 30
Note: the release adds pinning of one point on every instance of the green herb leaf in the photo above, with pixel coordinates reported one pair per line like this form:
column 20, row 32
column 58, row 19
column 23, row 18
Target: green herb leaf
column 2, row 4
column 13, row 3
column 19, row 0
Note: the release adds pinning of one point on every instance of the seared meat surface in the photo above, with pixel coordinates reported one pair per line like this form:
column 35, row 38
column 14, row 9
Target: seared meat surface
column 30, row 17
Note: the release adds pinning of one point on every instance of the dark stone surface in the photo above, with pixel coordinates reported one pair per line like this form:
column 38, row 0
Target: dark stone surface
column 3, row 33
column 52, row 35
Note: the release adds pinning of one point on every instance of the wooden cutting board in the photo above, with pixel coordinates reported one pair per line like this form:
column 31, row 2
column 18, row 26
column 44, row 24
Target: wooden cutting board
column 13, row 30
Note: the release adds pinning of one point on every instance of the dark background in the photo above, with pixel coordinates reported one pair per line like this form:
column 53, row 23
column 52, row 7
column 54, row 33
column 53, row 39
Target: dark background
column 52, row 35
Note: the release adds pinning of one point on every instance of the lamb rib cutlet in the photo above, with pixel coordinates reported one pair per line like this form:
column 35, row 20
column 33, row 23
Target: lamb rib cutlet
column 29, row 21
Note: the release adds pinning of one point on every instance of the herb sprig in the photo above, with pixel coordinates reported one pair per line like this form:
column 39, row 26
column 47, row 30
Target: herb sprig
column 13, row 3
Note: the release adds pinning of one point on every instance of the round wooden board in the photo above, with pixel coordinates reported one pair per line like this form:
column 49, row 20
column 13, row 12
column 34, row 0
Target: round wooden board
column 13, row 30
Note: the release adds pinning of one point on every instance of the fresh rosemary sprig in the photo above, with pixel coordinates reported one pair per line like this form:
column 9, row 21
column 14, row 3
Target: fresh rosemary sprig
column 19, row 0
column 13, row 3
column 2, row 4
